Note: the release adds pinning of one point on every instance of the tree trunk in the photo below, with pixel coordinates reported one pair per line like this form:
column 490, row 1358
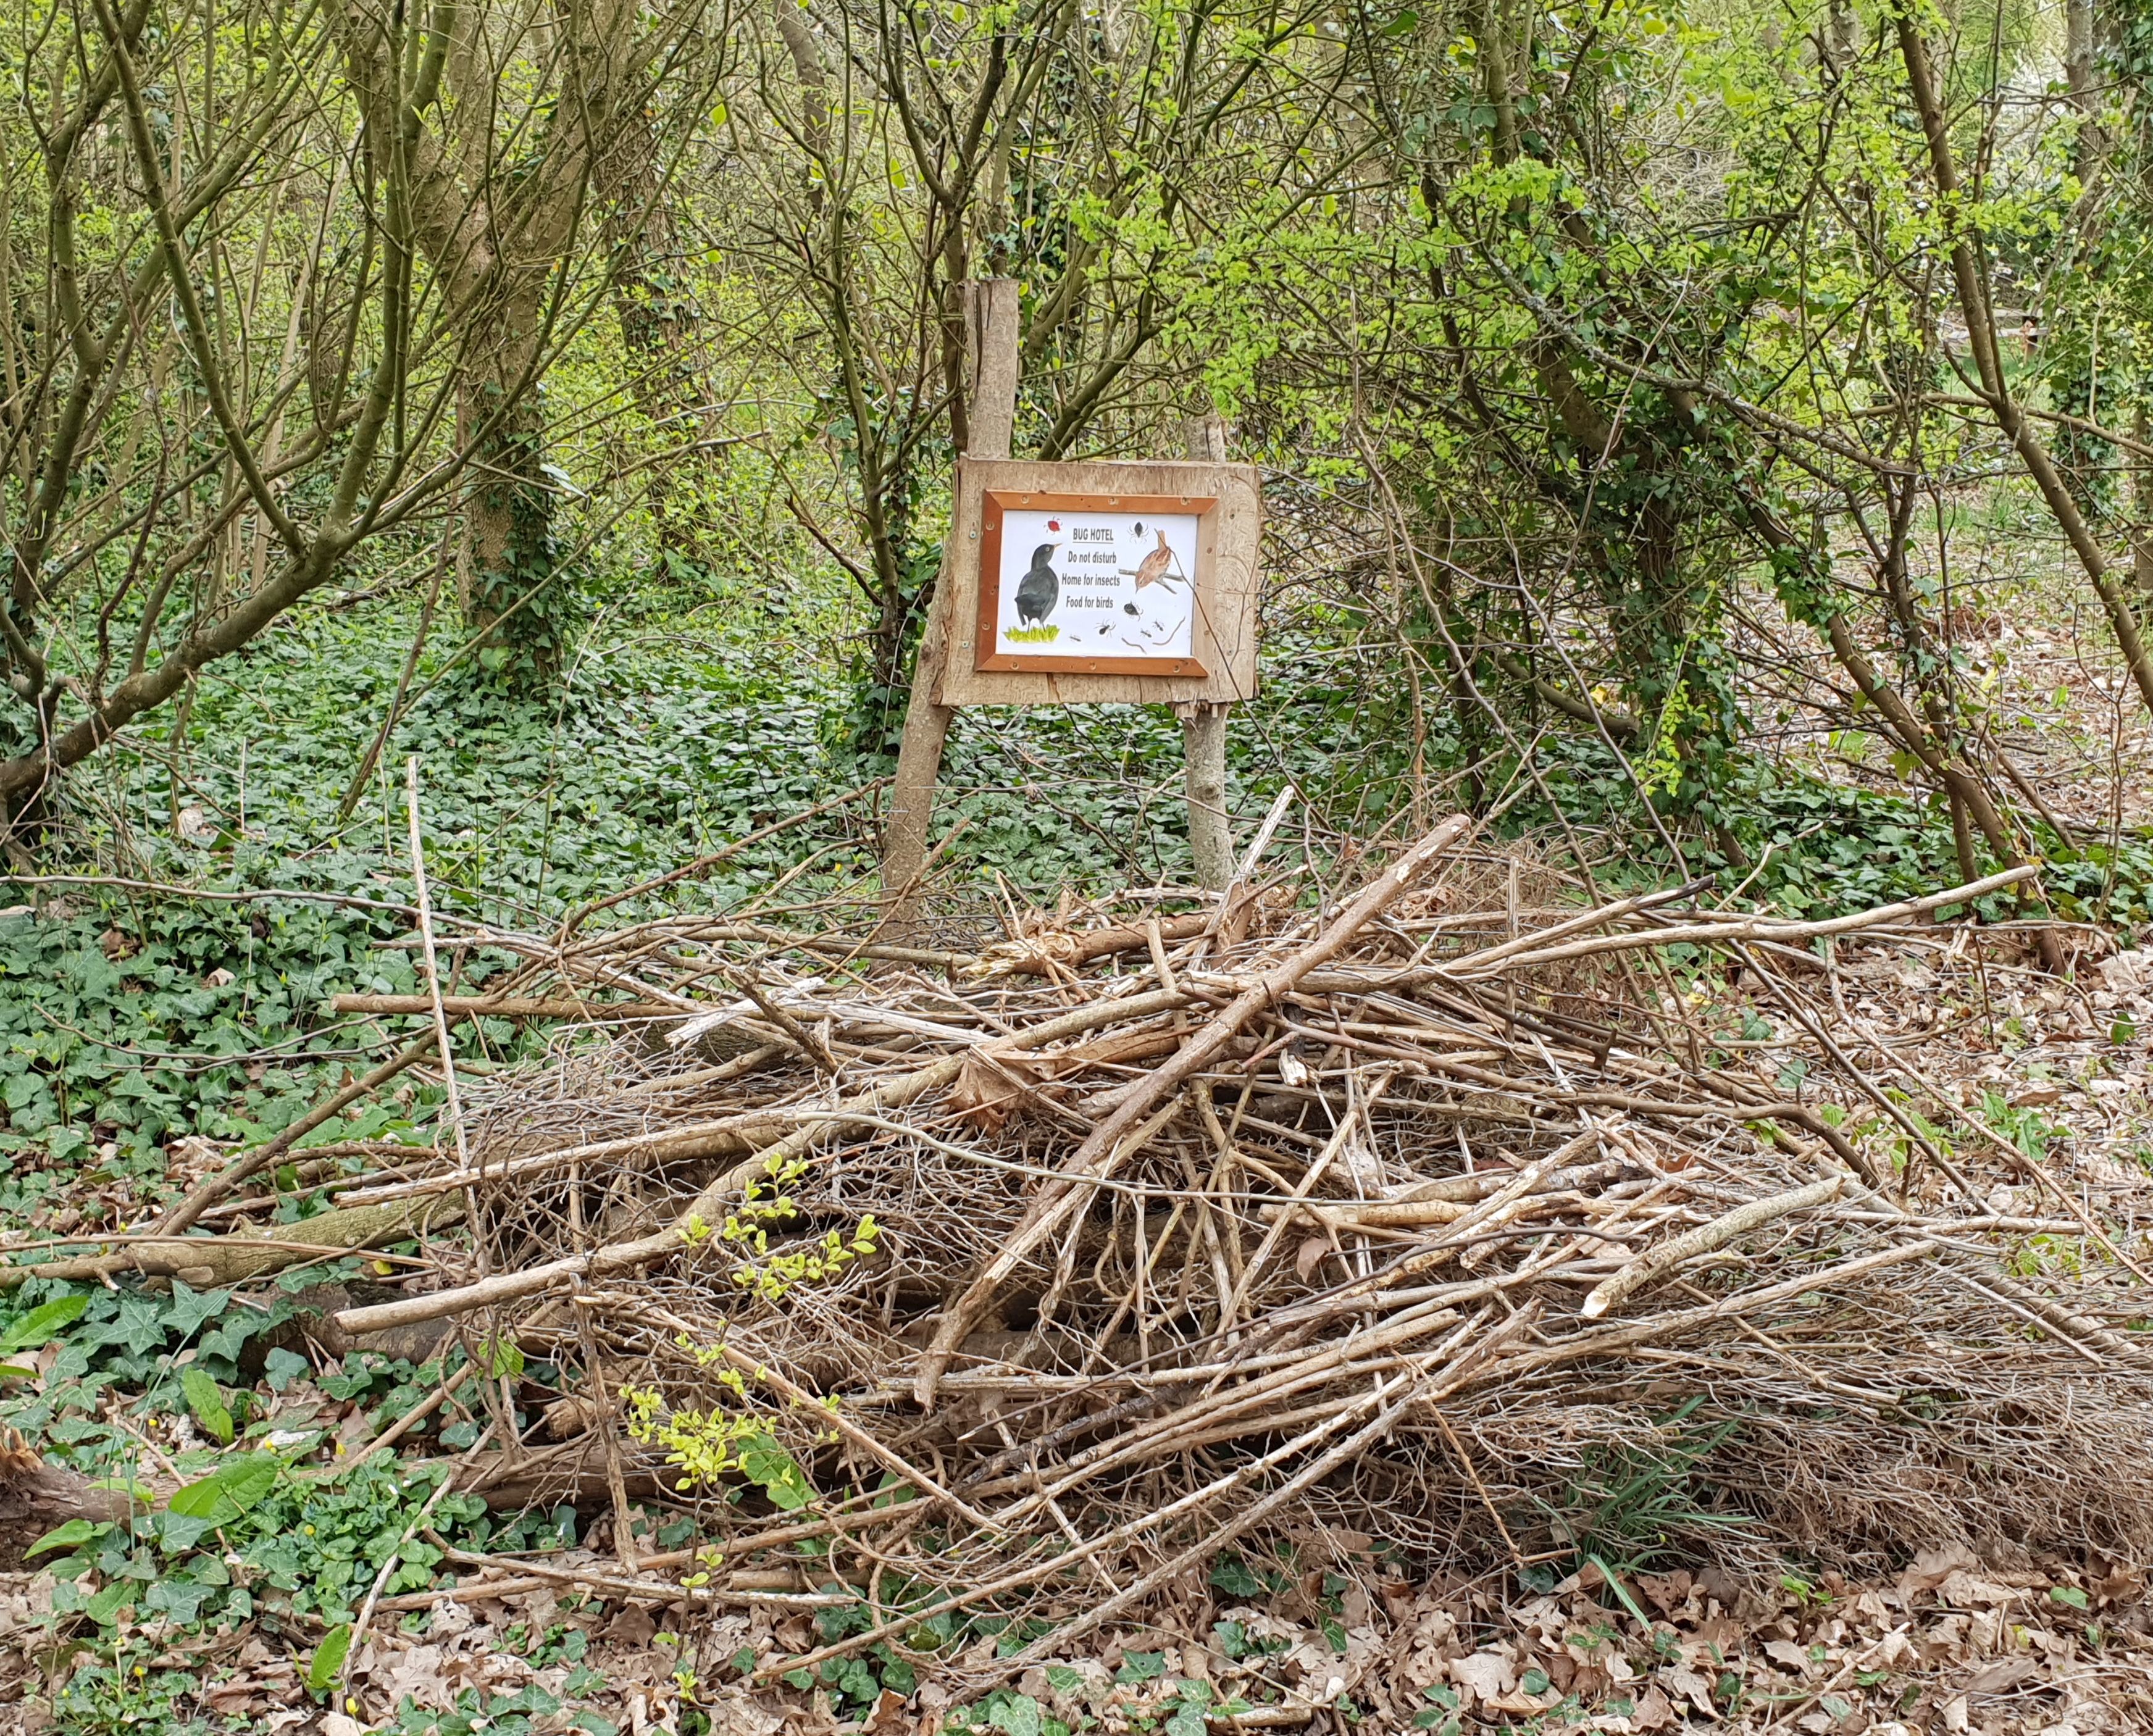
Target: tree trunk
column 658, row 319
column 1970, row 279
column 504, row 578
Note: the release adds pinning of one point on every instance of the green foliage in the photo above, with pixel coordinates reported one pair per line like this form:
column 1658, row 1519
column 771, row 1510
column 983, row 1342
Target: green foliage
column 1440, row 1714
column 2028, row 1129
column 131, row 1338
column 528, row 1712
column 43, row 1323
column 233, row 1488
column 324, row 1671
column 710, row 1446
column 1233, row 1576
column 207, row 1403
column 124, row 1689
column 1236, row 1642
column 252, row 1537
column 1637, row 1504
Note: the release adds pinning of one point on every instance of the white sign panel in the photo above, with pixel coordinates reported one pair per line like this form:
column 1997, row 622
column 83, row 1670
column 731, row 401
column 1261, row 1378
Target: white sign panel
column 1070, row 584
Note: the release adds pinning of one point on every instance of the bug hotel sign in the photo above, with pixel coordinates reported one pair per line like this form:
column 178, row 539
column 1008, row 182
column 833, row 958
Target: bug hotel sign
column 1080, row 583
column 1101, row 582
column 1069, row 584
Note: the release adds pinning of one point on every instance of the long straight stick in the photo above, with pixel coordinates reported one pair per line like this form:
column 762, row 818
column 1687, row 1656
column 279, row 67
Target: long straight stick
column 433, row 964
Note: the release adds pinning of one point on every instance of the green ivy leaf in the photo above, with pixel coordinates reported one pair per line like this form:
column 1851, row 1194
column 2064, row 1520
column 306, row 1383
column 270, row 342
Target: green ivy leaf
column 207, row 1402
column 42, row 1324
column 328, row 1658
column 189, row 1309
column 282, row 1366
column 1016, row 1716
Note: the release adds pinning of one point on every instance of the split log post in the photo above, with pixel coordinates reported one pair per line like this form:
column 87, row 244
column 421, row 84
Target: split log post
column 1204, row 728
column 991, row 313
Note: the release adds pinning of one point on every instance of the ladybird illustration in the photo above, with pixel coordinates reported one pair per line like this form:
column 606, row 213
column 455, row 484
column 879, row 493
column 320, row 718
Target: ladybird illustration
column 1054, row 524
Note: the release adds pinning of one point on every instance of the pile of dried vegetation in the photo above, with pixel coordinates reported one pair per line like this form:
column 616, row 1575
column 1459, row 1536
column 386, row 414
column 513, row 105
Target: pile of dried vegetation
column 1434, row 1223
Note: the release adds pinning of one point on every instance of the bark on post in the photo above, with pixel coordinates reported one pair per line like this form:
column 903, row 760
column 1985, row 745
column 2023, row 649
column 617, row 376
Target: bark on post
column 991, row 313
column 1203, row 729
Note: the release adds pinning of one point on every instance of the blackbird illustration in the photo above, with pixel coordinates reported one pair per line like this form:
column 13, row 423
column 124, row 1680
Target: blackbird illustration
column 1153, row 570
column 1039, row 590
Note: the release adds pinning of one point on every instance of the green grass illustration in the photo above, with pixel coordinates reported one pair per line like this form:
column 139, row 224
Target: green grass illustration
column 1032, row 636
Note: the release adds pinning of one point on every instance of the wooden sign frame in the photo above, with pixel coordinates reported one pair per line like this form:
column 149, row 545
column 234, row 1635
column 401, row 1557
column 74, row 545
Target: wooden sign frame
column 1221, row 664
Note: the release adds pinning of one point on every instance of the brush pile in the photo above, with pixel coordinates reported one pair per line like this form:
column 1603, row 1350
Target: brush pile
column 1436, row 1212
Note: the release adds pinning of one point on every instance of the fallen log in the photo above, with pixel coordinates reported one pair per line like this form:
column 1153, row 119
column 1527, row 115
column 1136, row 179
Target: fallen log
column 1043, row 955
column 35, row 1497
column 210, row 1262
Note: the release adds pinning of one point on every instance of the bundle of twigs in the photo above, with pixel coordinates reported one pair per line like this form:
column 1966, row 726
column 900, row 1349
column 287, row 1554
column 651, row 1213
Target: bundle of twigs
column 1398, row 1211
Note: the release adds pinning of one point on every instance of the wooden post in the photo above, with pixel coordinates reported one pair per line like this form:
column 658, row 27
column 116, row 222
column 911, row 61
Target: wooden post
column 1203, row 729
column 990, row 308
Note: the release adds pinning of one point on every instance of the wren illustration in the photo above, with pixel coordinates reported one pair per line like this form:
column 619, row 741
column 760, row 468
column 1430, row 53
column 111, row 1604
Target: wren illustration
column 1153, row 571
